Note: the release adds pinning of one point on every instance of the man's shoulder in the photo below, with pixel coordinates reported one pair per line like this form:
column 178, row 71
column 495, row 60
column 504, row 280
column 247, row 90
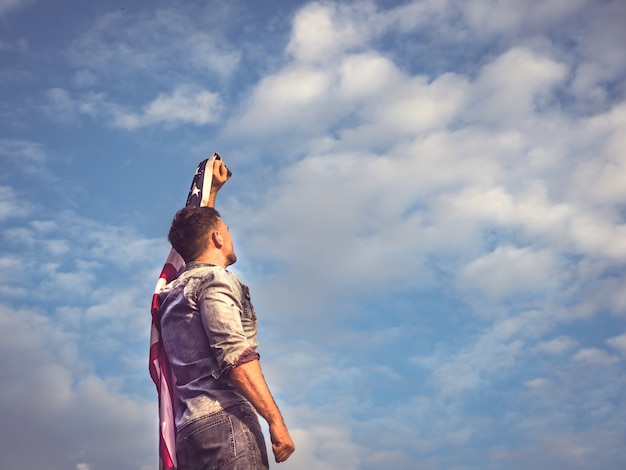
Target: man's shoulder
column 193, row 273
column 195, row 269
column 210, row 274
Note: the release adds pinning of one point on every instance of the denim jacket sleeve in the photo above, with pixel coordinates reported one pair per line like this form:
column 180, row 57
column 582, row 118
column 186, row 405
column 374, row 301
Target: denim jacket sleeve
column 228, row 319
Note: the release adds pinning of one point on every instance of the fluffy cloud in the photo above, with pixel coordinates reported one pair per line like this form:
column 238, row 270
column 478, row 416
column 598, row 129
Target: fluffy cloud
column 75, row 416
column 68, row 108
column 22, row 151
column 618, row 343
column 321, row 31
column 9, row 204
column 512, row 17
column 556, row 346
column 175, row 40
column 504, row 97
column 594, row 356
column 184, row 105
column 60, row 265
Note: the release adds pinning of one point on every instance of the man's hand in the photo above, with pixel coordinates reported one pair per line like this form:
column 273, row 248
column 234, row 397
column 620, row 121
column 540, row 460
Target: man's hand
column 282, row 445
column 248, row 379
column 221, row 174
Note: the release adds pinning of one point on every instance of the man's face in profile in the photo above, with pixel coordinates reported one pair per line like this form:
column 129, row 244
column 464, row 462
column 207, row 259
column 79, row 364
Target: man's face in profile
column 227, row 248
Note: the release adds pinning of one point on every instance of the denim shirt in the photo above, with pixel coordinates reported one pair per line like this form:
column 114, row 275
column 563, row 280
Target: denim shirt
column 208, row 326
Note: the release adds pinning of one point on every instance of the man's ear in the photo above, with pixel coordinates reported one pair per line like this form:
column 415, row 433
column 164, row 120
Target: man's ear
column 216, row 237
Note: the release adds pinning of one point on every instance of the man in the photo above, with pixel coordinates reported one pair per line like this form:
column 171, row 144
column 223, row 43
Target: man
column 208, row 328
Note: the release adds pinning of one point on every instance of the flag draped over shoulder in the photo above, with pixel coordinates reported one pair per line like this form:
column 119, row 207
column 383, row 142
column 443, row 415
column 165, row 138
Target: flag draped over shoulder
column 159, row 367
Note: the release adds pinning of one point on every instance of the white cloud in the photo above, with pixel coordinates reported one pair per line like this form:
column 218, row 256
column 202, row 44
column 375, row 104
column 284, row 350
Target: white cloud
column 594, row 356
column 407, row 176
column 67, row 108
column 510, row 271
column 491, row 355
column 322, row 31
column 440, row 195
column 173, row 40
column 618, row 343
column 61, row 105
column 63, row 264
column 513, row 86
column 291, row 101
column 597, row 180
column 511, row 17
column 22, row 151
column 557, row 346
column 43, row 399
column 56, row 262
column 601, row 62
column 379, row 103
column 418, row 106
column 537, row 383
column 418, row 15
column 11, row 205
column 185, row 105
column 324, row 448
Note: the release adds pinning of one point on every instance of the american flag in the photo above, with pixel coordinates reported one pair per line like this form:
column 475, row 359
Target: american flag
column 159, row 367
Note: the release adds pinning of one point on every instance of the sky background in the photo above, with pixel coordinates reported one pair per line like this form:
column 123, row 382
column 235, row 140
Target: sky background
column 428, row 204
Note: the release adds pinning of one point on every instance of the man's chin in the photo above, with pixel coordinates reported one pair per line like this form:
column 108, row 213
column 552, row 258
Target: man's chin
column 231, row 260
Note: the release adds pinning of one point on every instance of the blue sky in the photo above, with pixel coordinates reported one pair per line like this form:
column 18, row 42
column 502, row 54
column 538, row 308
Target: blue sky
column 428, row 204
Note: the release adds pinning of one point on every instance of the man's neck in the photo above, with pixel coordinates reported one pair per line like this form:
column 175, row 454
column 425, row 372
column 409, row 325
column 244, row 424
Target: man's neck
column 212, row 257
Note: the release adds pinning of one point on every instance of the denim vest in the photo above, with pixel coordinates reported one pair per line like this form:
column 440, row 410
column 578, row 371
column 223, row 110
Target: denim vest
column 208, row 326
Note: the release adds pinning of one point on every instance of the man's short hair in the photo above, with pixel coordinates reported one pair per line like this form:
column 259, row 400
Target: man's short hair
column 190, row 231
